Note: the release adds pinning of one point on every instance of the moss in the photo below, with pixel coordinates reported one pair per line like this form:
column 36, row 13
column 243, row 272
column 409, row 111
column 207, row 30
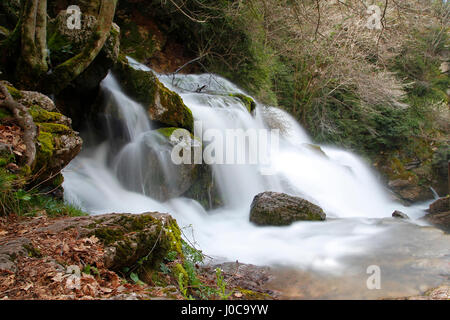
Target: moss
column 246, row 100
column 178, row 269
column 145, row 88
column 53, row 127
column 109, row 235
column 16, row 94
column 174, row 234
column 136, row 223
column 253, row 295
column 177, row 114
column 32, row 251
column 46, row 147
column 39, row 114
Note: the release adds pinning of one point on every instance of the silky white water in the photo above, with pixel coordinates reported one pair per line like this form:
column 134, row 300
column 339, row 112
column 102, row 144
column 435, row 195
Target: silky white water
column 104, row 180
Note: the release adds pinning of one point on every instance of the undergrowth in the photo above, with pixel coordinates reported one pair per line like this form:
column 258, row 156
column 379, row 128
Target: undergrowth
column 16, row 199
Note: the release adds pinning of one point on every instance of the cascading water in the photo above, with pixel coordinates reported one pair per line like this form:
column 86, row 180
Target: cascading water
column 103, row 179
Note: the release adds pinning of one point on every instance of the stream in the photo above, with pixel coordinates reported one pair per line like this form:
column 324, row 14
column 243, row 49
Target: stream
column 310, row 260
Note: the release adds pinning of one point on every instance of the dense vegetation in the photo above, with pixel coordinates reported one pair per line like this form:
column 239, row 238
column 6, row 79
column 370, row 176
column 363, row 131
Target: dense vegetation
column 370, row 90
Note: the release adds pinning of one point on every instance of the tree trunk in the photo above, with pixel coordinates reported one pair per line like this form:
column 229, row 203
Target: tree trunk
column 32, row 63
column 66, row 72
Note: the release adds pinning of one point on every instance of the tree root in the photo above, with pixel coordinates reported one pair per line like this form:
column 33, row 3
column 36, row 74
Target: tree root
column 25, row 121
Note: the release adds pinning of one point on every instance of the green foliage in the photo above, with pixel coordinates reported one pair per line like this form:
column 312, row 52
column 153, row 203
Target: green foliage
column 221, row 284
column 15, row 199
column 135, row 278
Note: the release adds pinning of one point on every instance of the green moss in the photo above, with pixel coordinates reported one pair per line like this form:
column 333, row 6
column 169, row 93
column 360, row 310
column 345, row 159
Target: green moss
column 16, row 94
column 41, row 115
column 253, row 295
column 179, row 269
column 109, row 235
column 46, row 147
column 246, row 100
column 32, row 251
column 53, row 127
column 146, row 89
column 174, row 235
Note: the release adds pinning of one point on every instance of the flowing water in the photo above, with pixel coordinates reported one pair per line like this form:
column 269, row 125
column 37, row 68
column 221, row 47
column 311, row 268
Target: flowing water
column 312, row 259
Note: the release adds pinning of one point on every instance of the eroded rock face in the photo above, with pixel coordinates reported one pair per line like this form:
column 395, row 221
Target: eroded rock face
column 163, row 105
column 439, row 213
column 279, row 209
column 410, row 191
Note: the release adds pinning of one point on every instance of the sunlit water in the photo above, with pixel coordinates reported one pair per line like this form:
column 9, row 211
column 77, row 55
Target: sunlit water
column 359, row 231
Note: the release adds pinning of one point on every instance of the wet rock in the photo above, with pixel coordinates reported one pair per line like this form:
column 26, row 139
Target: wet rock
column 279, row 209
column 440, row 205
column 409, row 191
column 204, row 188
column 399, row 215
column 163, row 105
column 157, row 175
column 439, row 213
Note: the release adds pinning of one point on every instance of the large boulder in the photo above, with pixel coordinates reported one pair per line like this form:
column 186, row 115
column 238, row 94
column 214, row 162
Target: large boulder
column 128, row 239
column 163, row 105
column 439, row 213
column 409, row 190
column 280, row 209
column 155, row 173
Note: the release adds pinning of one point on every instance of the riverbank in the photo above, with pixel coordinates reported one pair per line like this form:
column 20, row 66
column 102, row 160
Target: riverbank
column 68, row 258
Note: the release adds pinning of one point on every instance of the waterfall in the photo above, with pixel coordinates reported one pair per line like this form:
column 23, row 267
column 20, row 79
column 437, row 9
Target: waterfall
column 110, row 178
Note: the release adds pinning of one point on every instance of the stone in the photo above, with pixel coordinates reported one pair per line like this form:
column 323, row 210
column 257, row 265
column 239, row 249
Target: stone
column 164, row 106
column 280, row 209
column 399, row 215
column 439, row 214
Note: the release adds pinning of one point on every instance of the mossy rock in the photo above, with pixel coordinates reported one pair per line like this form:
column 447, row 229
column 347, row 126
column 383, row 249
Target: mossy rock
column 56, row 143
column 137, row 240
column 249, row 103
column 280, row 209
column 163, row 105
column 168, row 180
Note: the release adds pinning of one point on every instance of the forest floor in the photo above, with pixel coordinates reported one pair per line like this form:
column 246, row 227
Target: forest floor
column 36, row 263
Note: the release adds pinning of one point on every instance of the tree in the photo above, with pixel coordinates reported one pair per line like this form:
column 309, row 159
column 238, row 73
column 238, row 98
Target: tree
column 28, row 42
